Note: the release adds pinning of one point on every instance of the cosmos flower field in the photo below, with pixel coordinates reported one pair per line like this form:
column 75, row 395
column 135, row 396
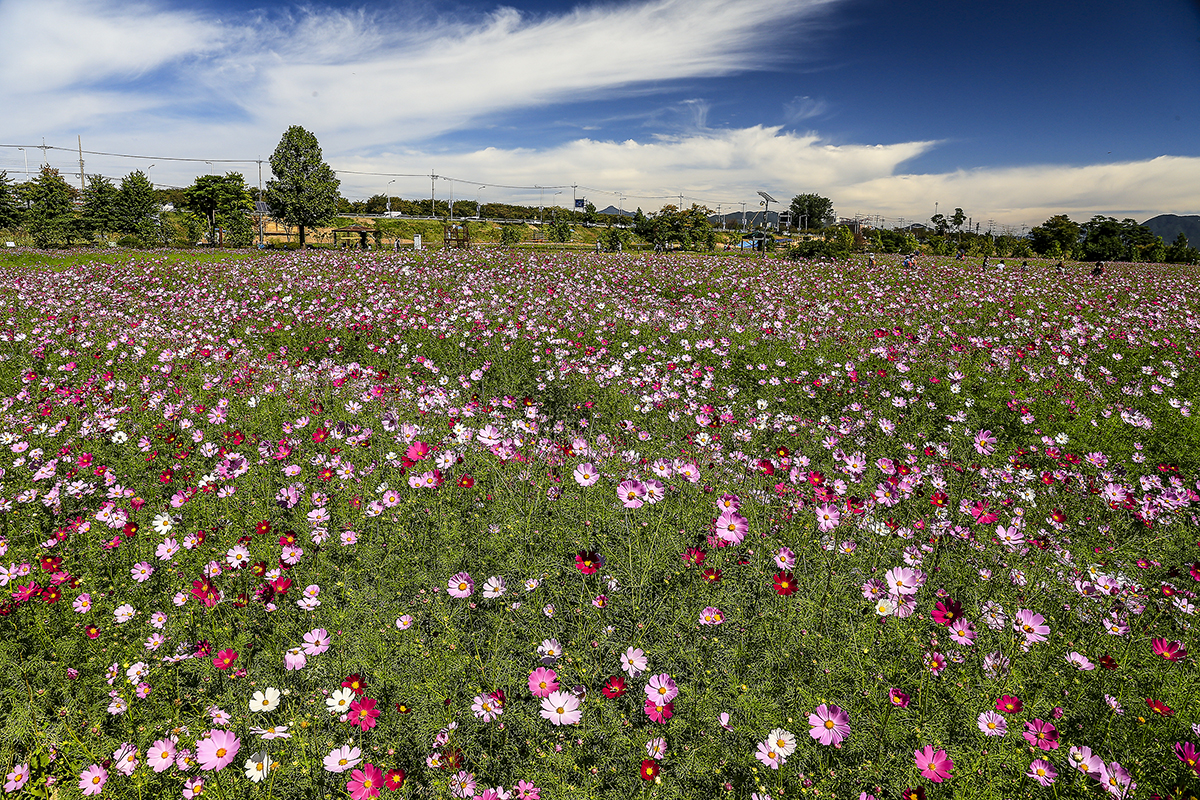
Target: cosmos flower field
column 512, row 525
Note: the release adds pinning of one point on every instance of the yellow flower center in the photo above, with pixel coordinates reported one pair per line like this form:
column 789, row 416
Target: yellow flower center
column 828, row 724
column 221, row 752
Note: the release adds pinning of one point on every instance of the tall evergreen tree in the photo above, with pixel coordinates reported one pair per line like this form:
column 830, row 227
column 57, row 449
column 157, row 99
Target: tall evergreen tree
column 136, row 203
column 304, row 191
column 101, row 201
column 51, row 220
column 10, row 210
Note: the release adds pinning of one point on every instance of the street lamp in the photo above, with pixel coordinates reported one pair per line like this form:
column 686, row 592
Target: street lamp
column 743, row 216
column 22, row 149
column 621, row 207
column 541, row 201
column 150, row 169
column 210, row 167
column 478, row 215
column 389, row 198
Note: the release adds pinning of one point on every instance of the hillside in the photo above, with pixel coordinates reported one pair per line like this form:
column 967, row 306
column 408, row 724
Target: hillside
column 1168, row 227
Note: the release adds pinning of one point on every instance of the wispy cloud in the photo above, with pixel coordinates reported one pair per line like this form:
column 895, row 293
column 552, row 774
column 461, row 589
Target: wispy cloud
column 364, row 78
column 802, row 108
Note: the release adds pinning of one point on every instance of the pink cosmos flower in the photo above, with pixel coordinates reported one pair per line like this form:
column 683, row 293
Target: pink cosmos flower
column 1080, row 661
column 985, row 443
column 711, row 616
column 342, row 758
column 661, row 688
column 316, row 642
column 962, row 633
column 830, row 725
column 365, row 782
column 732, row 527
column 631, row 493
column 1116, row 780
column 1041, row 734
column 542, row 682
column 1032, row 625
column 294, row 659
column 14, row 780
column 769, row 755
column 161, row 755
column 218, row 750
column 561, row 708
column 141, row 571
column 897, row 698
column 460, row 585
column 934, row 766
column 1042, row 771
column 992, row 724
column 903, row 580
column 92, row 779
column 828, row 517
column 586, row 475
column 1083, row 761
column 527, row 791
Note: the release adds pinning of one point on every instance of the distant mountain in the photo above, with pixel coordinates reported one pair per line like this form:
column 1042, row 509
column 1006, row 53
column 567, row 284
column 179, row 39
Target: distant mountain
column 613, row 211
column 1168, row 227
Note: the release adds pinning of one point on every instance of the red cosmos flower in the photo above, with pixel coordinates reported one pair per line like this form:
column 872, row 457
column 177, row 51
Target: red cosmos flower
column 259, row 568
column 50, row 563
column 939, row 499
column 262, row 528
column 363, row 713
column 51, row 594
column 694, row 555
column 499, row 697
column 782, row 452
column 785, row 583
column 1108, row 662
column 1171, row 651
column 816, row 478
column 403, row 708
column 945, row 613
column 355, row 683
column 326, row 474
column 588, row 562
column 1008, row 704
column 649, row 769
column 913, row 794
column 1195, row 571
column 766, row 467
column 130, row 530
column 224, row 659
column 281, row 585
column 712, row 575
column 1058, row 516
column 395, row 779
column 320, row 435
column 1162, row 709
column 855, row 505
column 613, row 687
column 92, row 631
column 451, row 758
column 466, row 481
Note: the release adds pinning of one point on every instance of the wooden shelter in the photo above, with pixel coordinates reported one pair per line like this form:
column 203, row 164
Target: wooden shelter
column 457, row 237
column 348, row 232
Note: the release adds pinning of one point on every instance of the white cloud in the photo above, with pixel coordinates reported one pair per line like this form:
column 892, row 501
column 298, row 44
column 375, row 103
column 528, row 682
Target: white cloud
column 728, row 166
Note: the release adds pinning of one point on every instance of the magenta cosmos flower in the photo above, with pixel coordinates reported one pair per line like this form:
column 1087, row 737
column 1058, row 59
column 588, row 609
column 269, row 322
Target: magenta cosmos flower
column 460, row 585
column 1171, row 651
column 542, row 682
column 365, row 782
column 935, row 766
column 218, row 750
column 830, row 724
column 1041, row 734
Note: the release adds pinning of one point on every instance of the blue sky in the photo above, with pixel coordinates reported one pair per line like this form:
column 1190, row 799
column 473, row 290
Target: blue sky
column 1011, row 110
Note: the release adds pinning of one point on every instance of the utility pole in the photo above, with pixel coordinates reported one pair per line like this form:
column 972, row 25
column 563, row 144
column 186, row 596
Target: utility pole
column 681, row 201
column 79, row 139
column 432, row 195
column 260, row 199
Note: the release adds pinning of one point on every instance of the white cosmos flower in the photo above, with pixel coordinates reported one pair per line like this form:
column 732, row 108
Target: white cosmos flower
column 265, row 700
